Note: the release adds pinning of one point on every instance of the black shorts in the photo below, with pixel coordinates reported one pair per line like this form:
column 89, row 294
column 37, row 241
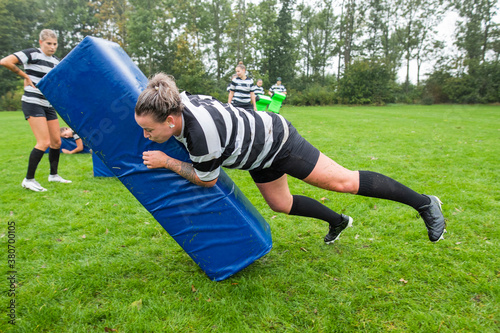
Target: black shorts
column 297, row 158
column 246, row 106
column 35, row 110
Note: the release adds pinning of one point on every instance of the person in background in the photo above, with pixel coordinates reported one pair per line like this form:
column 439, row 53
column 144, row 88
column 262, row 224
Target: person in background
column 268, row 146
column 259, row 90
column 278, row 87
column 234, row 76
column 241, row 92
column 39, row 113
column 67, row 133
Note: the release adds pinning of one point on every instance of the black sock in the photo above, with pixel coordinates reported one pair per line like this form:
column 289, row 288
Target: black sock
column 54, row 160
column 305, row 206
column 376, row 185
column 35, row 158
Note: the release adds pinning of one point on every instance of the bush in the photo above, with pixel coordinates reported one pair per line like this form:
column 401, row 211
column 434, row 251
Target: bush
column 427, row 100
column 433, row 88
column 462, row 89
column 407, row 95
column 366, row 82
column 11, row 101
column 314, row 94
column 481, row 85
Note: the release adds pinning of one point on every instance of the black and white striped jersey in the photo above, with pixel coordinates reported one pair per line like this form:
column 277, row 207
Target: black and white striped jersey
column 218, row 134
column 279, row 89
column 258, row 90
column 242, row 90
column 36, row 65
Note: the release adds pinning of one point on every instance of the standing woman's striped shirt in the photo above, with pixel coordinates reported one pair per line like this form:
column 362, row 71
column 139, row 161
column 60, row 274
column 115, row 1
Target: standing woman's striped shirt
column 242, row 90
column 36, row 65
column 217, row 134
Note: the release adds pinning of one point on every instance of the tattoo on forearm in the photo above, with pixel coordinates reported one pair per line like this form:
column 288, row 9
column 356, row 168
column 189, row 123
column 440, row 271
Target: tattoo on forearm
column 185, row 170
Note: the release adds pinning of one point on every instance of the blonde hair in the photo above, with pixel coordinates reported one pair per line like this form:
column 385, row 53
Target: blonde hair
column 47, row 33
column 160, row 99
column 240, row 65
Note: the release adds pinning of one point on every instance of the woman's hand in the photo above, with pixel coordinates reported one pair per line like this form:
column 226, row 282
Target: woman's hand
column 155, row 159
column 158, row 159
column 28, row 82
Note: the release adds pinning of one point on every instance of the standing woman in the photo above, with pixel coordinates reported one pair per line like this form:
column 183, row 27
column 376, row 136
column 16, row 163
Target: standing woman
column 37, row 110
column 217, row 135
column 241, row 90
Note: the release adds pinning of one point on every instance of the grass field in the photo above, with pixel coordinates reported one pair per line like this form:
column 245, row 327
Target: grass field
column 90, row 258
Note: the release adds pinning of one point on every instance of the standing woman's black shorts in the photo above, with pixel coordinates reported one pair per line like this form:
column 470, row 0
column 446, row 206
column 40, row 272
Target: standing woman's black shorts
column 297, row 158
column 246, row 106
column 35, row 110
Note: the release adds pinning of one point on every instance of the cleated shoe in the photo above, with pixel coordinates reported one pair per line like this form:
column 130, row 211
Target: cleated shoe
column 334, row 232
column 32, row 184
column 433, row 218
column 58, row 179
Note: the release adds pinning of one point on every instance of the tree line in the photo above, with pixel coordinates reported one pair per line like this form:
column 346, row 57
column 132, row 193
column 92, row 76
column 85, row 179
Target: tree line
column 326, row 51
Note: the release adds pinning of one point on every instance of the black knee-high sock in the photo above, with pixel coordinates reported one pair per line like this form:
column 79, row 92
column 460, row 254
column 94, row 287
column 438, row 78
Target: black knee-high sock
column 35, row 158
column 54, row 160
column 376, row 185
column 305, row 206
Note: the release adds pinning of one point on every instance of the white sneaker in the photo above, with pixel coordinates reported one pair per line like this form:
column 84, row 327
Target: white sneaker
column 32, row 184
column 58, row 179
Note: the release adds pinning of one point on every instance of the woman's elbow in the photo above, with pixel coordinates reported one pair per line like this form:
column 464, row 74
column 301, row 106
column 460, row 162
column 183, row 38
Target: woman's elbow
column 208, row 184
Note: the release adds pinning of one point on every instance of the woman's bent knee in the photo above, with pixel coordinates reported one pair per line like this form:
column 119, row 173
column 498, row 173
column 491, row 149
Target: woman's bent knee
column 281, row 206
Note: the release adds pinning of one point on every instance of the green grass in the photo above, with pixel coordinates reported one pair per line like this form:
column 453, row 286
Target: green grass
column 383, row 274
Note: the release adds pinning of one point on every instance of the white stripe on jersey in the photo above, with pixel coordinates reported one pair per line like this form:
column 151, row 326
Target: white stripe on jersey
column 229, row 127
column 21, row 56
column 268, row 125
column 285, row 138
column 209, row 130
column 37, row 101
column 238, row 144
column 251, row 122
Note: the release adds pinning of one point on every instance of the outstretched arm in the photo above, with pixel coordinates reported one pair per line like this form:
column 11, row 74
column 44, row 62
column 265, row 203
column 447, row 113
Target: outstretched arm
column 157, row 159
column 79, row 147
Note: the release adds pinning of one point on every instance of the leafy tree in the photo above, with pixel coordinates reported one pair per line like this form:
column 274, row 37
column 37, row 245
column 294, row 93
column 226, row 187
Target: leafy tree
column 419, row 17
column 219, row 15
column 151, row 38
column 111, row 16
column 306, row 38
column 17, row 32
column 352, row 13
column 283, row 56
column 315, row 39
column 383, row 42
column 266, row 36
column 188, row 68
column 474, row 29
